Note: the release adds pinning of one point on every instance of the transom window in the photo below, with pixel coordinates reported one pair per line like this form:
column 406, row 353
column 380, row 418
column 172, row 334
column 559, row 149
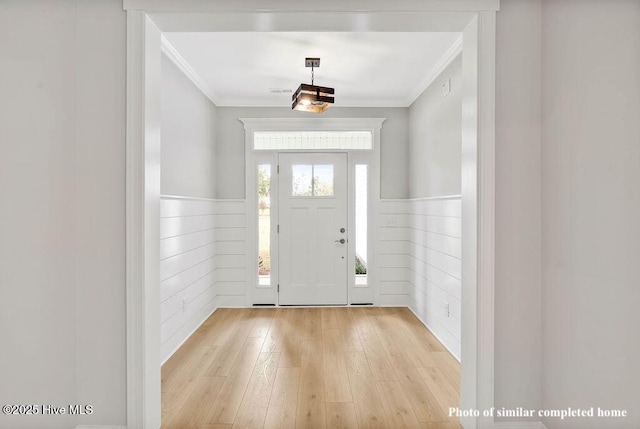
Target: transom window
column 265, row 140
column 312, row 140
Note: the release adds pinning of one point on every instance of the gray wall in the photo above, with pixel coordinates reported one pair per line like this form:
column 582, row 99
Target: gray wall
column 62, row 229
column 518, row 355
column 435, row 149
column 38, row 189
column 100, row 210
column 188, row 136
column 591, row 208
column 230, row 145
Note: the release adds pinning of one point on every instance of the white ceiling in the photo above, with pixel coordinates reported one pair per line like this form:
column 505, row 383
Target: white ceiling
column 366, row 69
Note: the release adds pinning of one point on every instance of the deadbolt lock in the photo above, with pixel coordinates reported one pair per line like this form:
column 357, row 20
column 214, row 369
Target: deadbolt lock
column 342, row 230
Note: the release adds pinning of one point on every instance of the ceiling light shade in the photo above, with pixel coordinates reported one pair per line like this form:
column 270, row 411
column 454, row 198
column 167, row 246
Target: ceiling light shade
column 312, row 98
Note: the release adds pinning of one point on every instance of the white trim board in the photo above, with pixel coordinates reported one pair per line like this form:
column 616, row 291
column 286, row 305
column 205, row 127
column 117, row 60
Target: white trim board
column 313, row 124
column 143, row 222
column 434, row 334
column 478, row 215
column 181, row 197
column 190, row 334
column 408, row 200
column 100, row 427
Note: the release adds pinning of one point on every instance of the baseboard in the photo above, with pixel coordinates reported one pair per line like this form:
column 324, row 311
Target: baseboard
column 519, row 425
column 231, row 301
column 434, row 334
column 190, row 334
column 100, row 427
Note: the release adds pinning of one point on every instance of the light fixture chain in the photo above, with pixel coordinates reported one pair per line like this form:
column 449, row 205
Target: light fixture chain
column 311, row 74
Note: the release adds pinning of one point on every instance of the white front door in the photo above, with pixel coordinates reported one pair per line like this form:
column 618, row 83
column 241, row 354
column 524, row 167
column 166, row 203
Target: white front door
column 313, row 228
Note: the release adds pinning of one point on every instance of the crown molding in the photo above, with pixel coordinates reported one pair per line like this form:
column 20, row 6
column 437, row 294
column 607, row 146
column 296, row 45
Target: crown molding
column 312, row 124
column 447, row 58
column 286, row 103
column 172, row 53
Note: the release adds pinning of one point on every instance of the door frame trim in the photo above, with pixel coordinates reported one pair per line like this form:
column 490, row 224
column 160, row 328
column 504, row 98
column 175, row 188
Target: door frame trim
column 143, row 178
column 252, row 158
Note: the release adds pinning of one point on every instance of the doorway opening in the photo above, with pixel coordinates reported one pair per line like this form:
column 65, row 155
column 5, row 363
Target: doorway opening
column 476, row 20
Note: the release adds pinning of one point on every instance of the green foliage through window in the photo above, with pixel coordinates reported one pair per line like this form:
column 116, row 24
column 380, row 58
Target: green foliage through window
column 361, row 267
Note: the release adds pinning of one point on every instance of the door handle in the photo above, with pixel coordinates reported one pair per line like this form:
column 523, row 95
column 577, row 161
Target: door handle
column 341, row 241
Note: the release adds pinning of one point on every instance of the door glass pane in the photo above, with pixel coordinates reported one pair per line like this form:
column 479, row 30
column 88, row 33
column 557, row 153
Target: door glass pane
column 323, row 180
column 302, row 180
column 361, row 224
column 264, row 225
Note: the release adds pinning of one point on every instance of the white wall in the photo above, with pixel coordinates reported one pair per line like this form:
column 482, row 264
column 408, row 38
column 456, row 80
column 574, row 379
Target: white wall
column 202, row 262
column 100, row 210
column 62, row 209
column 424, row 233
column 518, row 342
column 419, row 254
column 230, row 145
column 591, row 208
column 38, row 189
column 435, row 144
column 392, row 250
column 188, row 222
column 188, row 136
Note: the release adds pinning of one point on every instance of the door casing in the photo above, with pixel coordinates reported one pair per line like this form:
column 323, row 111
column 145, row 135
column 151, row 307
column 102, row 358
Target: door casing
column 370, row 157
column 146, row 19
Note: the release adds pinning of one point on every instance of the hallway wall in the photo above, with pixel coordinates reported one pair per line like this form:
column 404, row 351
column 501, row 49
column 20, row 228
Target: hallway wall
column 518, row 269
column 188, row 136
column 38, row 209
column 430, row 225
column 435, row 143
column 188, row 212
column 62, row 211
column 591, row 208
column 420, row 246
column 202, row 263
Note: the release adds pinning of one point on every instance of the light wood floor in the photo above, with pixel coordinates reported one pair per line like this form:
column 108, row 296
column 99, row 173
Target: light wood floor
column 331, row 368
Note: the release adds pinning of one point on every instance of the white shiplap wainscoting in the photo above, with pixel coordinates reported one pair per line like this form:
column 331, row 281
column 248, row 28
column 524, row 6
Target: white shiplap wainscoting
column 393, row 253
column 420, row 242
column 202, row 263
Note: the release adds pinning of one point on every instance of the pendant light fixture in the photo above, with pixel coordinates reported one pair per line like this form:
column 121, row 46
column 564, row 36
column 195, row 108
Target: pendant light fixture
column 312, row 98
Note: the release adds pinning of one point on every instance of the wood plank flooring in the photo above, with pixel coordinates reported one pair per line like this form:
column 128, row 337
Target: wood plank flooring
column 351, row 367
